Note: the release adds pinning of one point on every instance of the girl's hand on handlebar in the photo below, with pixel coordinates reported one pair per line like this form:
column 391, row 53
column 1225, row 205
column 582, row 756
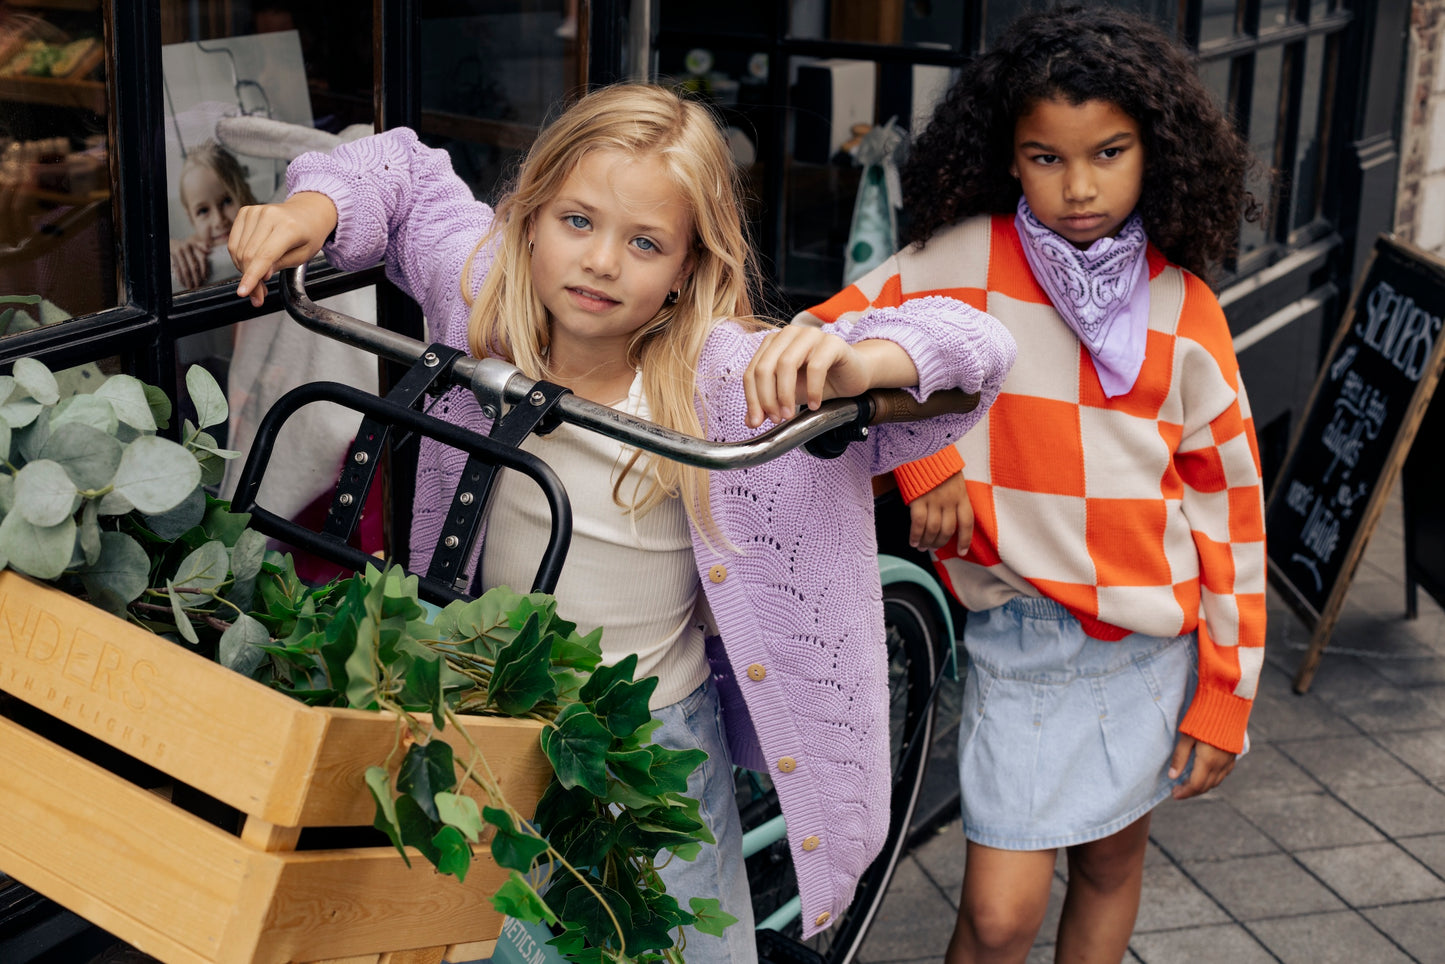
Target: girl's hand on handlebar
column 268, row 237
column 802, row 365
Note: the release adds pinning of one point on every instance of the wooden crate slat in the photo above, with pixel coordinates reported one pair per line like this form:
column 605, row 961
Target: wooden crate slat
column 117, row 855
column 196, row 720
column 336, row 903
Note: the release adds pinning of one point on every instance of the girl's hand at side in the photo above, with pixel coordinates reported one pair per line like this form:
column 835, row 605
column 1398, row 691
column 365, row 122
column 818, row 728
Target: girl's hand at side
column 940, row 514
column 1211, row 766
column 801, row 365
column 268, row 237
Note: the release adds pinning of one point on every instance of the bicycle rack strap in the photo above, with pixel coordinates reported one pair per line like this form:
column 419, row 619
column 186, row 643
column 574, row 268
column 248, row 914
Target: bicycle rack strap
column 394, row 415
column 363, row 461
column 474, row 486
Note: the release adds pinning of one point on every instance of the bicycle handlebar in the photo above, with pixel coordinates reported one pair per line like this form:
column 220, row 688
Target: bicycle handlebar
column 496, row 383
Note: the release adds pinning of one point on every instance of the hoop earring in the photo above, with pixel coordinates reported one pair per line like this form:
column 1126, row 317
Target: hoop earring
column 672, row 297
column 530, row 246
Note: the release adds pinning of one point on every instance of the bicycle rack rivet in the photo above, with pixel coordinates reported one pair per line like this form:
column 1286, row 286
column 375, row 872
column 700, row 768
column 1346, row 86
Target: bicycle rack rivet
column 451, row 542
column 863, row 432
column 430, row 359
column 359, row 458
column 345, row 498
column 465, row 498
column 536, row 398
column 490, row 411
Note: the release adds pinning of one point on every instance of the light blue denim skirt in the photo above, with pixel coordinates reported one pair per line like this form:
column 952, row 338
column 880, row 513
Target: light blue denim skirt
column 1064, row 738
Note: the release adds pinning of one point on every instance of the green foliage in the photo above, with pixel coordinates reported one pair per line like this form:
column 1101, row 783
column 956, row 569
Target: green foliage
column 588, row 860
column 92, row 500
column 95, row 502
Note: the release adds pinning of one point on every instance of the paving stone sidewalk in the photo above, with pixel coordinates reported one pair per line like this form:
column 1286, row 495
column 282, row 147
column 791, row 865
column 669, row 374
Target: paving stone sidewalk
column 1326, row 844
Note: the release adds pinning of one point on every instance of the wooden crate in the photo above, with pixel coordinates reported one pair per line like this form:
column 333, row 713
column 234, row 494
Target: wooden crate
column 176, row 886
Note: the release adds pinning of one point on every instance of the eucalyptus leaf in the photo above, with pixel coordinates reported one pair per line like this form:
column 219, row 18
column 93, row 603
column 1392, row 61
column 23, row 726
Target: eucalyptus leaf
column 123, row 568
column 44, row 494
column 155, row 474
column 178, row 613
column 160, row 406
column 89, row 456
column 113, row 503
column 4, row 439
column 90, row 542
column 206, row 397
column 39, row 551
column 241, row 645
column 85, row 410
column 211, row 459
column 35, row 378
column 180, row 519
column 127, row 398
column 20, row 412
column 247, row 555
column 202, row 572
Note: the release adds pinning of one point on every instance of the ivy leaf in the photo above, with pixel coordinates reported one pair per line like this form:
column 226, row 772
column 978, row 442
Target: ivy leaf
column 582, row 909
column 581, row 652
column 623, row 708
column 511, row 847
column 123, row 568
column 426, row 770
column 577, row 747
column 453, row 855
column 517, row 898
column 156, row 474
column 670, row 768
column 206, row 397
column 520, row 678
column 240, row 645
column 379, row 783
column 632, row 766
column 417, row 829
column 586, row 843
column 128, row 400
column 36, row 380
column 604, row 676
column 360, row 668
column 461, row 812
column 711, row 918
column 39, row 551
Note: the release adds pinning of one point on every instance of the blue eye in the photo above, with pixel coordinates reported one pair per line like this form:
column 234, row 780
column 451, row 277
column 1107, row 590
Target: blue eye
column 645, row 244
column 576, row 221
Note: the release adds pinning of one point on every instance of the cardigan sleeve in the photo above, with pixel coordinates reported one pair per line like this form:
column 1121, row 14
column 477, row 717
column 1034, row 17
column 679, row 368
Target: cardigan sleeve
column 1223, row 499
column 882, row 288
column 400, row 201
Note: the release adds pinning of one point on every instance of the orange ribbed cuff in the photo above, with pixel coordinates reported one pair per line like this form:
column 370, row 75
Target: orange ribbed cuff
column 1218, row 718
column 916, row 478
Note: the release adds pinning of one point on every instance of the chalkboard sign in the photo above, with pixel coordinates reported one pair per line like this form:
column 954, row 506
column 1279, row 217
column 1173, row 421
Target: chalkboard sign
column 1365, row 406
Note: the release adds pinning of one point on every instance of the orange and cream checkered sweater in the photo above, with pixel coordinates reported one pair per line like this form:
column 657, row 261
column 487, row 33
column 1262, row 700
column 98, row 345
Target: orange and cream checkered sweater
column 1139, row 513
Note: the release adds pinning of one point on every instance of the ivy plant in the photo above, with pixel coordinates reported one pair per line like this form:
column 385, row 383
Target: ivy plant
column 94, row 501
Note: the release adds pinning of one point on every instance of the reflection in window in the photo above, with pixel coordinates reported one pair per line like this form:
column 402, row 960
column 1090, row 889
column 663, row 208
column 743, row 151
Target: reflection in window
column 492, row 75
column 1309, row 166
column 1220, row 20
column 1266, row 113
column 57, row 256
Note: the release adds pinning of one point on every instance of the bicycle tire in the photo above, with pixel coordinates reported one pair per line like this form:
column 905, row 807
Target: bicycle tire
column 915, row 640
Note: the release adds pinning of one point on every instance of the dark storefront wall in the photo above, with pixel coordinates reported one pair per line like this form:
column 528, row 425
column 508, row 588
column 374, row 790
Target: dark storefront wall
column 89, row 167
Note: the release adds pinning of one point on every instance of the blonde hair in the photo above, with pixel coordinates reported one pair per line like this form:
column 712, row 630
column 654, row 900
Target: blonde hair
column 224, row 165
column 509, row 320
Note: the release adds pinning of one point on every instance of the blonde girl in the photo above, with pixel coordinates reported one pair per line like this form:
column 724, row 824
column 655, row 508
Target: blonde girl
column 617, row 266
column 212, row 189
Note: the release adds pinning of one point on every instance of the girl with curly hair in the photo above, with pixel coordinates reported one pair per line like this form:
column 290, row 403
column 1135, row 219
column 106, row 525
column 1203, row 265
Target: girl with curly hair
column 1103, row 524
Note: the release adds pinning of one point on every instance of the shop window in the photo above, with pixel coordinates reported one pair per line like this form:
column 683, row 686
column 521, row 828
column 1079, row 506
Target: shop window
column 57, row 249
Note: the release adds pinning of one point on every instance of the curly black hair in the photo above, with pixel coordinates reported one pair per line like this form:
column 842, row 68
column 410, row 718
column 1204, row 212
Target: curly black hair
column 1195, row 162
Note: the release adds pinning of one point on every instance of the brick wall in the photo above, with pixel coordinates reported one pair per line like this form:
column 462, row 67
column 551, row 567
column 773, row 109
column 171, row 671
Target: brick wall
column 1420, row 211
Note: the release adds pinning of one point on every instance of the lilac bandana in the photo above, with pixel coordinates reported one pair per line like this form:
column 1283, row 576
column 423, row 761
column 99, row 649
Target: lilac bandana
column 1101, row 293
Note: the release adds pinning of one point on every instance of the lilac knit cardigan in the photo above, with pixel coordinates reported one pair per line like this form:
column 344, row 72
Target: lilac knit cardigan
column 796, row 596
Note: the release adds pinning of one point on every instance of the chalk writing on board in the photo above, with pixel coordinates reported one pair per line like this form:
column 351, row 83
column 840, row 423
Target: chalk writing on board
column 1398, row 328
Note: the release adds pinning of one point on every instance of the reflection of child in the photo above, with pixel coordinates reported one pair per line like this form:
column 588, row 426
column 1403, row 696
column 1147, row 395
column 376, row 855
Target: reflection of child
column 615, row 267
column 1076, row 183
column 212, row 189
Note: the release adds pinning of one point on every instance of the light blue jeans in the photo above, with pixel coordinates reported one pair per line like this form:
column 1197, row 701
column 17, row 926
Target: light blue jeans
column 696, row 721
